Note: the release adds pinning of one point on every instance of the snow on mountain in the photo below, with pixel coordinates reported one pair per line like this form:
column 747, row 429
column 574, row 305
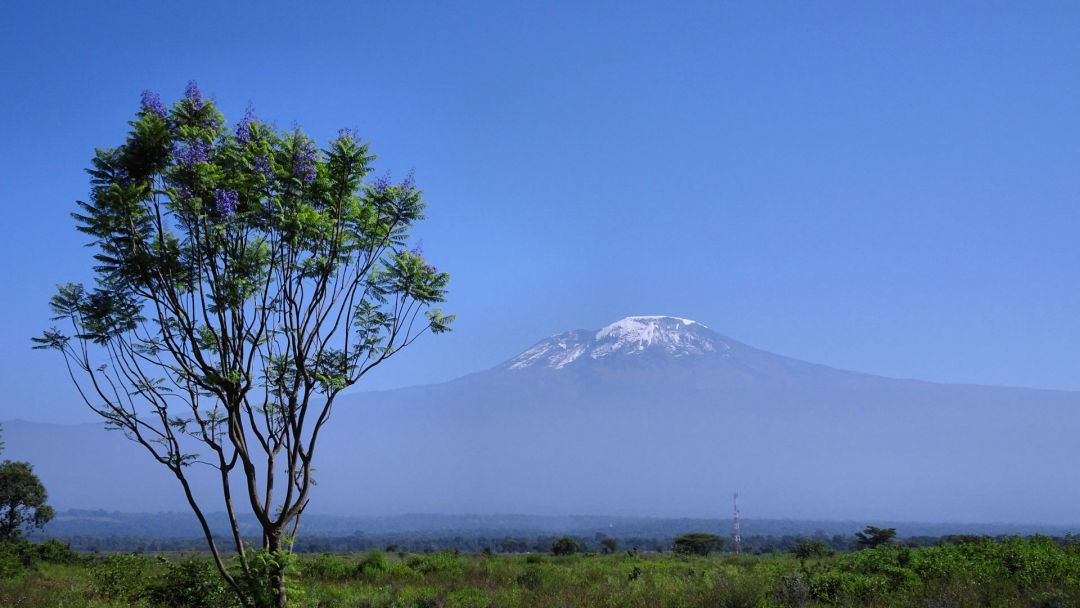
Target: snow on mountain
column 666, row 336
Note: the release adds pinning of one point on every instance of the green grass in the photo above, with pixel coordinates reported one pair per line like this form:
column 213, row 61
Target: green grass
column 1016, row 572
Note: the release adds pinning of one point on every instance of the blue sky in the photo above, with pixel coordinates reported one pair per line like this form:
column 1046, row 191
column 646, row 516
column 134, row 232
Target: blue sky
column 890, row 189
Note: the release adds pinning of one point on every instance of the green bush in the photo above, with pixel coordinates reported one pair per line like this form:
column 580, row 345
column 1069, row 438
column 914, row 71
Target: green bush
column 193, row 583
column 441, row 563
column 374, row 562
column 11, row 564
column 56, row 552
column 120, row 576
column 327, row 567
column 533, row 576
column 696, row 543
column 469, row 597
column 565, row 546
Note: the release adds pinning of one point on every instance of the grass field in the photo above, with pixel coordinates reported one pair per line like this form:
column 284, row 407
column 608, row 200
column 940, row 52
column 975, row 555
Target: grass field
column 1037, row 572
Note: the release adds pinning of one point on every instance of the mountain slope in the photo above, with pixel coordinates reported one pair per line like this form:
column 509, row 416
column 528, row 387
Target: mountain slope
column 663, row 416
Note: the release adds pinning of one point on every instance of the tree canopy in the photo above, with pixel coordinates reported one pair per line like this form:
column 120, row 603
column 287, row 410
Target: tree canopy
column 872, row 536
column 244, row 278
column 696, row 543
column 22, row 500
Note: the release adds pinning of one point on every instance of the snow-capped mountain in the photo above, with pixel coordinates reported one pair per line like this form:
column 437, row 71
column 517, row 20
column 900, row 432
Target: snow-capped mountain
column 633, row 336
column 654, row 416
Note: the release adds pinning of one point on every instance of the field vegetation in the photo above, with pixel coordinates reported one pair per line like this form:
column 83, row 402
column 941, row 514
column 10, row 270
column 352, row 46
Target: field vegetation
column 969, row 571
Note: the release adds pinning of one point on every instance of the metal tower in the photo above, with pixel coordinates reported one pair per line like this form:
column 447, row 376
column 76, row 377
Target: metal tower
column 737, row 533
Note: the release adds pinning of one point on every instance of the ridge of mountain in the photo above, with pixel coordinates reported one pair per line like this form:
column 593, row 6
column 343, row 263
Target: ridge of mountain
column 668, row 418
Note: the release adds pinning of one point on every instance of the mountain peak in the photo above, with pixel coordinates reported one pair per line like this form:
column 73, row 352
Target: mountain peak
column 661, row 336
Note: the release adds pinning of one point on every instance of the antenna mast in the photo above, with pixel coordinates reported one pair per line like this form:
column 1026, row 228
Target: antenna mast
column 737, row 535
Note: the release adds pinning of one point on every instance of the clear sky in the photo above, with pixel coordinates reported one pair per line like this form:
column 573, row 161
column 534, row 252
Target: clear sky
column 886, row 188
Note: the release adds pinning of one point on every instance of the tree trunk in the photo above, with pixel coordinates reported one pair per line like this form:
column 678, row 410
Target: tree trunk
column 277, row 576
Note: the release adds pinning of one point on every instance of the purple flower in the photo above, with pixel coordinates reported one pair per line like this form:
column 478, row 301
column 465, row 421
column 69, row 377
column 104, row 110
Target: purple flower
column 345, row 133
column 193, row 94
column 262, row 165
column 189, row 153
column 121, row 177
column 243, row 130
column 382, row 183
column 304, row 162
column 418, row 251
column 408, row 183
column 151, row 102
column 226, row 200
column 183, row 193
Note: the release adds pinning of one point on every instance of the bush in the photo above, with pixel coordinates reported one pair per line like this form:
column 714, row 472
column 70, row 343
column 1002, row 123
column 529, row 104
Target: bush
column 55, row 552
column 696, row 543
column 441, row 563
column 565, row 546
column 374, row 562
column 193, row 583
column 120, row 576
column 327, row 567
column 533, row 576
column 11, row 564
column 467, row 598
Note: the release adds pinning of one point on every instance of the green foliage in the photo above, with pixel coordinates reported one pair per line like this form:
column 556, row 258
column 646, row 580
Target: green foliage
column 533, row 576
column 55, row 552
column 872, row 536
column 808, row 548
column 243, row 279
column 12, row 561
column 696, row 543
column 374, row 562
column 469, row 597
column 565, row 546
column 437, row 563
column 270, row 571
column 1013, row 572
column 327, row 567
column 120, row 576
column 19, row 557
column 192, row 583
column 22, row 500
column 608, row 545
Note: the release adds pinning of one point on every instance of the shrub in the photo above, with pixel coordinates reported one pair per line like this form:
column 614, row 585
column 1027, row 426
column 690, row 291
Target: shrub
column 11, row 564
column 533, row 576
column 469, row 597
column 327, row 567
column 441, row 563
column 56, row 552
column 565, row 546
column 374, row 562
column 193, row 583
column 696, row 543
column 120, row 576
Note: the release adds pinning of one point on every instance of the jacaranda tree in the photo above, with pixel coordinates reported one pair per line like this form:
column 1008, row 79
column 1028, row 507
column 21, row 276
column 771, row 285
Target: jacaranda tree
column 245, row 278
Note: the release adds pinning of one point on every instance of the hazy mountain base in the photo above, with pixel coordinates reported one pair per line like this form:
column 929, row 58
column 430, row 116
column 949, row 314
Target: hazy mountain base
column 115, row 531
column 643, row 432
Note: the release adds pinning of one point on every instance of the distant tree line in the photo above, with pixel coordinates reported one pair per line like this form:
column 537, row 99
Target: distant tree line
column 428, row 543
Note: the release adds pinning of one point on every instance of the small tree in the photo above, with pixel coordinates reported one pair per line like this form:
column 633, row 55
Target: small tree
column 696, row 543
column 565, row 546
column 22, row 500
column 872, row 536
column 608, row 545
column 245, row 278
column 809, row 548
